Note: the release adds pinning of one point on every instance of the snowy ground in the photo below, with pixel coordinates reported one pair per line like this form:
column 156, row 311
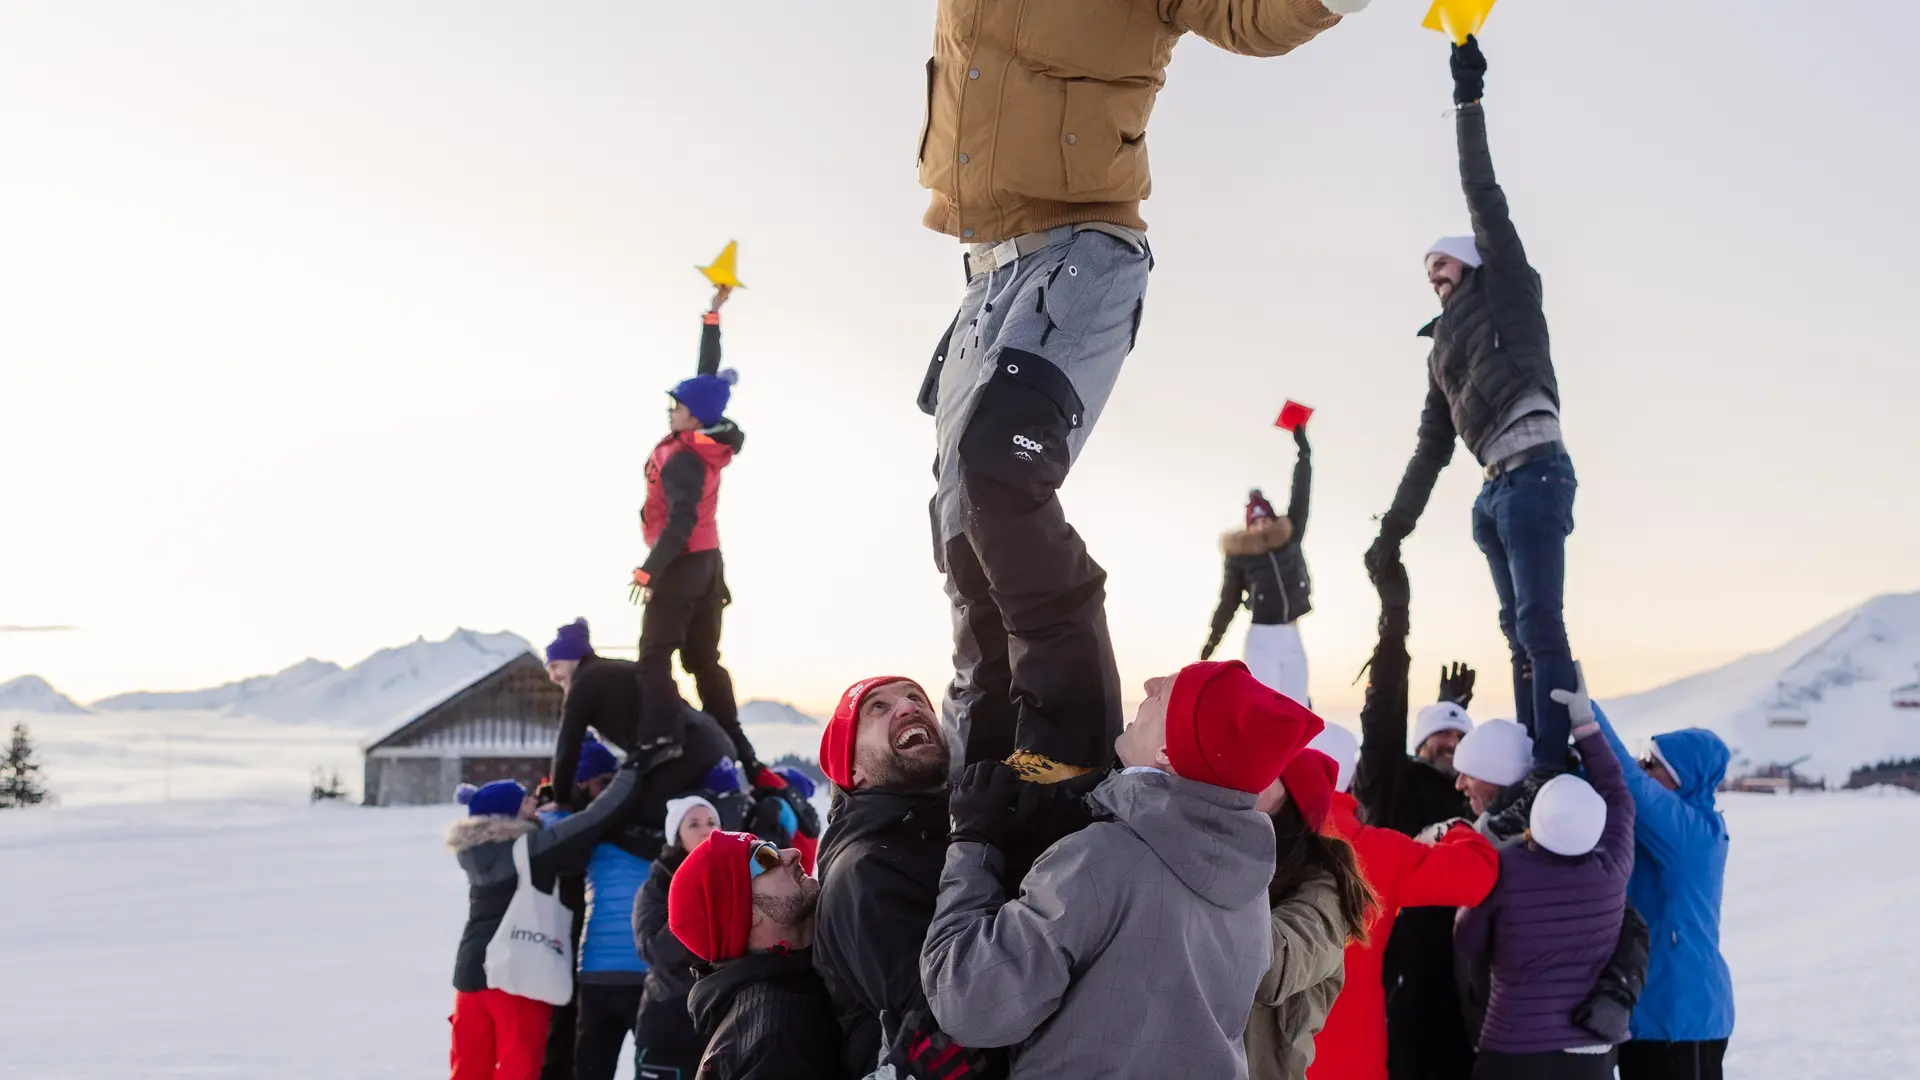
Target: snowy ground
column 244, row 938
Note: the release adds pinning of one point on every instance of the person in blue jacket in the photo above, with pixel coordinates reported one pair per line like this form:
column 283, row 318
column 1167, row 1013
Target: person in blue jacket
column 1684, row 1017
column 612, row 974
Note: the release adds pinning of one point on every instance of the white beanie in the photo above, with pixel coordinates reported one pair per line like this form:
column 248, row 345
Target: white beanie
column 1437, row 717
column 1497, row 752
column 1460, row 247
column 1339, row 744
column 1568, row 816
column 677, row 813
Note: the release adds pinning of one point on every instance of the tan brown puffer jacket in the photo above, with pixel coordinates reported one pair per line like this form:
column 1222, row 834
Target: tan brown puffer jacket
column 1037, row 109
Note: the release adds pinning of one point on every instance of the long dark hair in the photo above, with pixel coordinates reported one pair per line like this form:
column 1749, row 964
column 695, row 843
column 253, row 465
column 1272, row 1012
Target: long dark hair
column 1299, row 853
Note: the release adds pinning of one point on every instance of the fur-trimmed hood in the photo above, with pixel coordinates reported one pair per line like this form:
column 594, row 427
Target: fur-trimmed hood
column 470, row 832
column 1258, row 541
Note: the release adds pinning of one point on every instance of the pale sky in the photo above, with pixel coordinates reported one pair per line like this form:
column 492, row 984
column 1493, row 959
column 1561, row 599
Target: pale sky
column 324, row 326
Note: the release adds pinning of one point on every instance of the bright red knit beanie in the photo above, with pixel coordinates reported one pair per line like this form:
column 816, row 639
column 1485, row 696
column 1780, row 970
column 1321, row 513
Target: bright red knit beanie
column 1227, row 729
column 837, row 742
column 710, row 903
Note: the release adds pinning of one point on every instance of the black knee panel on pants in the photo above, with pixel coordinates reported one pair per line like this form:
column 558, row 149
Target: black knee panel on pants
column 1016, row 441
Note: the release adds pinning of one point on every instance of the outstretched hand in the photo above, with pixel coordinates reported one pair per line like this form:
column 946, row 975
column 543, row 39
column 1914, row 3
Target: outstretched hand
column 1469, row 72
column 720, row 294
column 985, row 805
column 1300, row 437
column 1579, row 704
column 1456, row 685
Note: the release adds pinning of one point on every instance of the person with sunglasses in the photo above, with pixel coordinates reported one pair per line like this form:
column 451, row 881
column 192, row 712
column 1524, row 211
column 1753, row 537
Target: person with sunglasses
column 745, row 910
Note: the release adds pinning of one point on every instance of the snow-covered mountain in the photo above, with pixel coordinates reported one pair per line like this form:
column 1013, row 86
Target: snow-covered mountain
column 373, row 694
column 31, row 693
column 762, row 711
column 1827, row 695
column 234, row 695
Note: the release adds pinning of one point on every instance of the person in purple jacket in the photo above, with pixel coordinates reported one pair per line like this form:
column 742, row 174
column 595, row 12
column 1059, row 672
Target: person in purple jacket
column 1533, row 951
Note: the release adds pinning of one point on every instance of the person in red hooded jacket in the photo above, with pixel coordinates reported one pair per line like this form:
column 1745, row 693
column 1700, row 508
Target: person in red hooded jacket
column 1450, row 865
column 683, row 581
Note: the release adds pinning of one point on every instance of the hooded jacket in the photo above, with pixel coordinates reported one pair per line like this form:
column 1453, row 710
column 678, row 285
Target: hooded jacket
column 1309, row 938
column 1037, row 112
column 1458, row 871
column 1266, row 571
column 484, row 847
column 1537, row 945
column 1679, row 867
column 1489, row 342
column 1134, row 949
column 683, row 479
column 765, row 1016
column 879, row 863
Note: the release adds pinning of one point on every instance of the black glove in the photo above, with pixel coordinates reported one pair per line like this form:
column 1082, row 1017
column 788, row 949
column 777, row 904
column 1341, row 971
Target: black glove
column 985, row 805
column 1456, row 685
column 1606, row 1011
column 1300, row 438
column 921, row 1051
column 1469, row 72
column 1206, row 651
column 1388, row 575
column 1048, row 814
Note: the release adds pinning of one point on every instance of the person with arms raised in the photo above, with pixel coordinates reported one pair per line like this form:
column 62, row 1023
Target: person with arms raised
column 1267, row 573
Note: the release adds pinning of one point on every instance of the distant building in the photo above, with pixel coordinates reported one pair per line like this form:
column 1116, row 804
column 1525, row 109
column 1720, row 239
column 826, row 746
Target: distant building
column 501, row 726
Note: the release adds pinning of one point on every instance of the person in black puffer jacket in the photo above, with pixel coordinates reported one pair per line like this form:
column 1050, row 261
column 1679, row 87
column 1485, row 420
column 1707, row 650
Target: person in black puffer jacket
column 1491, row 383
column 1266, row 573
column 664, row 1031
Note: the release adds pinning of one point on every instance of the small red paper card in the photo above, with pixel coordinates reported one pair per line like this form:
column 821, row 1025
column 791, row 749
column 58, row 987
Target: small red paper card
column 1293, row 415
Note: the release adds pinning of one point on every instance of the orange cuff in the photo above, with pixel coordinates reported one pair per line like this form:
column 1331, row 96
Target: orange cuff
column 711, row 318
column 641, row 577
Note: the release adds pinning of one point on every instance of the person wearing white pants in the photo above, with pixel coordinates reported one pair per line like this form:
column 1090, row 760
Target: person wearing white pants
column 1267, row 574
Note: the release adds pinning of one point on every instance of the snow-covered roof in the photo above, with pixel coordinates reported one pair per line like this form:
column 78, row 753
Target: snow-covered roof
column 425, row 708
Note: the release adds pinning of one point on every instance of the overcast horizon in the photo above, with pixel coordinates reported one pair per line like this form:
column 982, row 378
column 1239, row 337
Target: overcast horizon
column 330, row 326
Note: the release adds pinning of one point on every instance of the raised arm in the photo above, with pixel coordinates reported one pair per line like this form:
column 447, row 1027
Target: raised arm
column 1233, row 592
column 1663, row 821
column 1302, row 494
column 564, row 848
column 1256, row 27
column 1383, row 716
column 1493, row 231
column 710, row 332
column 995, row 969
column 1607, row 778
column 1431, row 453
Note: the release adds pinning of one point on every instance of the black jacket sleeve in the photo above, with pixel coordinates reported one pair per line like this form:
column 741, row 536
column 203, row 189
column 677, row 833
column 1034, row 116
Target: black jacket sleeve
column 1233, row 593
column 658, row 946
column 685, row 479
column 1430, row 454
column 1302, row 493
column 565, row 847
column 575, row 717
column 1493, row 231
column 1383, row 719
column 709, row 345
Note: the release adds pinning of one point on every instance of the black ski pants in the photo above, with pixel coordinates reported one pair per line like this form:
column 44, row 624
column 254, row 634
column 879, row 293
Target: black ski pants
column 1552, row 1065
column 1672, row 1060
column 558, row 1064
column 606, row 1013
column 683, row 616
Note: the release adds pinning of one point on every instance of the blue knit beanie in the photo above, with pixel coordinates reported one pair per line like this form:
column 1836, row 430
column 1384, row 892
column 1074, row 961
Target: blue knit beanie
column 572, row 642
column 595, row 760
column 705, row 396
column 502, row 798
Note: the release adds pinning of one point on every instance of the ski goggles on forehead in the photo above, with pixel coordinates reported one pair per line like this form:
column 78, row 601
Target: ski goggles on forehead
column 763, row 858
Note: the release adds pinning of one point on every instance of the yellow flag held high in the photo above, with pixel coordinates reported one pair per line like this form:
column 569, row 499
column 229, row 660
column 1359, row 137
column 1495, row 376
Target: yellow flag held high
column 722, row 272
column 1458, row 18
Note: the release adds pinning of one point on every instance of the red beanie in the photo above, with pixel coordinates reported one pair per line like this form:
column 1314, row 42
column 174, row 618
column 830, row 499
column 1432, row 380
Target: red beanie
column 710, row 903
column 836, row 743
column 1309, row 780
column 1225, row 728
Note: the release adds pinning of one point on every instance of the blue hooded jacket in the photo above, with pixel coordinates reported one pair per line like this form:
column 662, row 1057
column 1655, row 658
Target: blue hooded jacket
column 1680, row 865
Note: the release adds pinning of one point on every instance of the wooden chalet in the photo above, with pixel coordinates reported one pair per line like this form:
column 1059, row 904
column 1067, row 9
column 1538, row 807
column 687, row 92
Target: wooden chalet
column 501, row 726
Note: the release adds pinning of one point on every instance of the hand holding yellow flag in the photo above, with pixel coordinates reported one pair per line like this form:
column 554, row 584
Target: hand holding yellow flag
column 722, row 271
column 1458, row 18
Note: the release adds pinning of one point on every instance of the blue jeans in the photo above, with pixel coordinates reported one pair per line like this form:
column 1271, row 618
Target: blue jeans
column 1521, row 521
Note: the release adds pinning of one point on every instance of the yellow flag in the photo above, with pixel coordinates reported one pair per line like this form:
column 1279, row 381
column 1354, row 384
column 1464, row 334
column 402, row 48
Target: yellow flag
column 722, row 271
column 1458, row 18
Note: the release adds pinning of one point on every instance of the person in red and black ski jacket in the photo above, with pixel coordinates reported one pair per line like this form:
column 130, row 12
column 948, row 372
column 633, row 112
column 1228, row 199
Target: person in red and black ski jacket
column 683, row 581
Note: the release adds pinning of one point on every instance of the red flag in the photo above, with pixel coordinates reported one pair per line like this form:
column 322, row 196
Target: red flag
column 1293, row 415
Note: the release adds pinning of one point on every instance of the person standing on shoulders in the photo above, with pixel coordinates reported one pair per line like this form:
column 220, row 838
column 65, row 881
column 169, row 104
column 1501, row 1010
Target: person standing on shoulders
column 1035, row 150
column 683, row 580
column 1267, row 573
column 745, row 909
column 1684, row 1017
column 1491, row 383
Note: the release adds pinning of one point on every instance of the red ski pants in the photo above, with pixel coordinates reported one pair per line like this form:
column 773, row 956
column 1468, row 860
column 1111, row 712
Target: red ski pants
column 498, row 1036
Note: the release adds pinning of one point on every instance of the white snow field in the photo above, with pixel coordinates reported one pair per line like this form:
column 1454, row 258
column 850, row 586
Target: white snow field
column 247, row 938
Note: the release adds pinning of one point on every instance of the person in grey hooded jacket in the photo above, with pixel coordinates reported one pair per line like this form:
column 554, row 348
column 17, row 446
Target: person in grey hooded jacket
column 1135, row 946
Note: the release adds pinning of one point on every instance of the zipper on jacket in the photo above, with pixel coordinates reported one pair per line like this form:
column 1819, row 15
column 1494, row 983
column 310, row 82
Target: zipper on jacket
column 1286, row 609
